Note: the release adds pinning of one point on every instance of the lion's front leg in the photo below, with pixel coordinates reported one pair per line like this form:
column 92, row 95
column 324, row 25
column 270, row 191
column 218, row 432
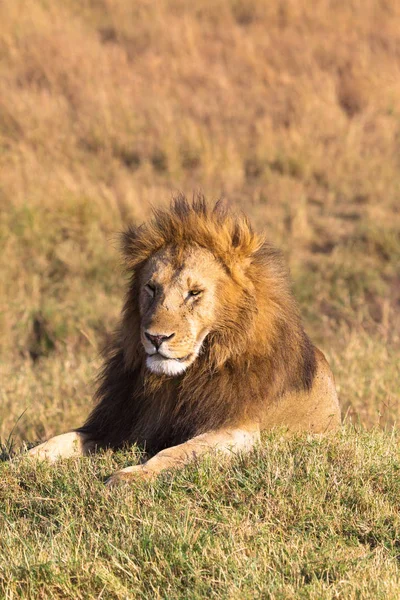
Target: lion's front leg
column 61, row 446
column 229, row 441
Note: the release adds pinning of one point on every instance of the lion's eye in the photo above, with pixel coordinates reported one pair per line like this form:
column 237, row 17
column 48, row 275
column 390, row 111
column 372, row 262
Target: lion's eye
column 150, row 289
column 194, row 293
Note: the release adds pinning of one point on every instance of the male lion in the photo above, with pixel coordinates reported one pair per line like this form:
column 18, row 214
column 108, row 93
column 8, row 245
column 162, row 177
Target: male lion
column 210, row 349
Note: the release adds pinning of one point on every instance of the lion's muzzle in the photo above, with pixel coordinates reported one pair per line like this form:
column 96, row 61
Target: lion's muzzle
column 158, row 338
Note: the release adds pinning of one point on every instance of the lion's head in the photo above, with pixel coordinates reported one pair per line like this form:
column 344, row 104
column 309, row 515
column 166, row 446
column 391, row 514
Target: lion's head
column 205, row 290
column 194, row 278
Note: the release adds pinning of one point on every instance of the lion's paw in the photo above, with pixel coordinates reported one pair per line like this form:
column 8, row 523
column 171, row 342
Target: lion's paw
column 46, row 451
column 128, row 475
column 60, row 446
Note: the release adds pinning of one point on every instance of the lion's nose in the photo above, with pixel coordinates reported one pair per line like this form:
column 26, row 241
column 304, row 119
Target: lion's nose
column 158, row 338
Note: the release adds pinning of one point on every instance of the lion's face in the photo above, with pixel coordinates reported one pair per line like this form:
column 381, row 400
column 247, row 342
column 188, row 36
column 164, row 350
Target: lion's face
column 178, row 307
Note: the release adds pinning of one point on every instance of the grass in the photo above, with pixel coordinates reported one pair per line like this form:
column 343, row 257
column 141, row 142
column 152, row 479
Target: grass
column 292, row 111
column 298, row 518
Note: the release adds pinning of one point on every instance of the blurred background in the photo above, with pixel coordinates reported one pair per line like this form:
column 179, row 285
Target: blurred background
column 289, row 108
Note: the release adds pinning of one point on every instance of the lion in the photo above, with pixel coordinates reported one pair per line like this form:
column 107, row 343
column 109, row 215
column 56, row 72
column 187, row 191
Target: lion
column 210, row 349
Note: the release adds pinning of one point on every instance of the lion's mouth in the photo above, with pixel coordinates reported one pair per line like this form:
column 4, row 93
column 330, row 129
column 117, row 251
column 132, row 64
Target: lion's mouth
column 161, row 356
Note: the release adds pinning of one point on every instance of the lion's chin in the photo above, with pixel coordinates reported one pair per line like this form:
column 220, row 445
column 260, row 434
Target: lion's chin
column 166, row 366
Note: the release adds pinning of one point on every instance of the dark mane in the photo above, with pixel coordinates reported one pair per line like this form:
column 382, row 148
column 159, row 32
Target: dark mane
column 257, row 350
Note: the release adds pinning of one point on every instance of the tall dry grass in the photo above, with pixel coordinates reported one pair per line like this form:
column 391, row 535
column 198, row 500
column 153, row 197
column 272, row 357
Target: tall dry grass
column 290, row 109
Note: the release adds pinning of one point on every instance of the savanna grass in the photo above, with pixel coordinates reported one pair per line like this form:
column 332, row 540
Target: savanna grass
column 297, row 518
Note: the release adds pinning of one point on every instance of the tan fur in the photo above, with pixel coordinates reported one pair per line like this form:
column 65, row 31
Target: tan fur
column 65, row 445
column 210, row 349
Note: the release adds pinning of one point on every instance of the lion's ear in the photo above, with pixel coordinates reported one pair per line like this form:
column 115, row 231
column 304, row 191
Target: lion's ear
column 245, row 242
column 128, row 239
column 243, row 235
column 132, row 246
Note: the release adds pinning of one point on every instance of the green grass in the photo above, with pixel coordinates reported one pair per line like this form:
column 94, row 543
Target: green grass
column 297, row 518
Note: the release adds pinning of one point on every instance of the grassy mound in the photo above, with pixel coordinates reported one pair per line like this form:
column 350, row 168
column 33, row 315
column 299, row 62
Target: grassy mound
column 297, row 518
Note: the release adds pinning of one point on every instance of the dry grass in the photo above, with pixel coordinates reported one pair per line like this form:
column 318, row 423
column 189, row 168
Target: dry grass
column 290, row 109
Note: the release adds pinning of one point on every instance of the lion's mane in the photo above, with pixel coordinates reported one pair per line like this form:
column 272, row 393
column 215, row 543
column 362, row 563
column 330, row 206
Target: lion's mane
column 255, row 353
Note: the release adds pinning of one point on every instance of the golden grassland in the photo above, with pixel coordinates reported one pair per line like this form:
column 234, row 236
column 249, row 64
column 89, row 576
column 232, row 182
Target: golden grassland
column 292, row 111
column 289, row 109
